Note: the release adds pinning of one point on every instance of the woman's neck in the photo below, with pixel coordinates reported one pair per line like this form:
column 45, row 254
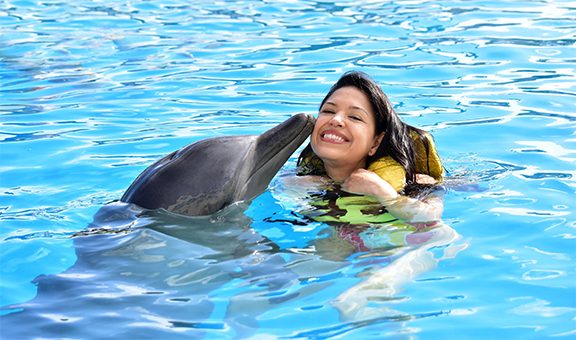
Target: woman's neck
column 339, row 172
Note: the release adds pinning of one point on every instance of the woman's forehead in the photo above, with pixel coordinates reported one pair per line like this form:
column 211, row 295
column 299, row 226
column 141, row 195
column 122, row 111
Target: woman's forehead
column 351, row 96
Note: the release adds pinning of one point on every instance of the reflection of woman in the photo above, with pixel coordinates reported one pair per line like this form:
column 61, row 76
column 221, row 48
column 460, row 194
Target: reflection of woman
column 359, row 141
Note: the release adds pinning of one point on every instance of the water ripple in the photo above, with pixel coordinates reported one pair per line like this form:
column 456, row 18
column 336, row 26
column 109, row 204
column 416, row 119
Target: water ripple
column 93, row 92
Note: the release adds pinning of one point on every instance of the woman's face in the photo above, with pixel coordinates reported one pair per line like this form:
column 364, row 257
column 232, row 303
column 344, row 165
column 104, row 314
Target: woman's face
column 344, row 132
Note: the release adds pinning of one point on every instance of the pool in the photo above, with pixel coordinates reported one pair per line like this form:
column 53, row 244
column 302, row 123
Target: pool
column 94, row 91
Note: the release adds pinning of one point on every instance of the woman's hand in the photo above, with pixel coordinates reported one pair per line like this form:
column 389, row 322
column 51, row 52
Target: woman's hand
column 365, row 182
column 425, row 179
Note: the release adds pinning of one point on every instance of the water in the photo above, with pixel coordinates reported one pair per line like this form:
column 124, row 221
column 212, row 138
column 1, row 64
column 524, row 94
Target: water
column 94, row 91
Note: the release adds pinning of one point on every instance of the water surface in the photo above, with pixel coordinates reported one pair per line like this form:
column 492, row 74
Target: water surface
column 92, row 92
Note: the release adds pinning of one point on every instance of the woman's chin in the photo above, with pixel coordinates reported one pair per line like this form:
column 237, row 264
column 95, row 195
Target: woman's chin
column 329, row 151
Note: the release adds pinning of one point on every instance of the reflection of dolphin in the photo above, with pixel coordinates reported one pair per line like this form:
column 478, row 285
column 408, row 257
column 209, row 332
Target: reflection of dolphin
column 206, row 176
column 131, row 281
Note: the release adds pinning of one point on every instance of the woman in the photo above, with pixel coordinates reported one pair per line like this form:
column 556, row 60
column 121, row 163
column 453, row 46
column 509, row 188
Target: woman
column 359, row 141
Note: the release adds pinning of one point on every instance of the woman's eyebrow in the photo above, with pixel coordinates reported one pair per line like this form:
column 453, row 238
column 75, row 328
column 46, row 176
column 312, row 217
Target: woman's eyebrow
column 351, row 107
column 354, row 107
column 359, row 108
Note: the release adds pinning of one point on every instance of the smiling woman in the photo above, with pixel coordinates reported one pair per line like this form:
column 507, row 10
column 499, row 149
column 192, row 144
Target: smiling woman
column 361, row 142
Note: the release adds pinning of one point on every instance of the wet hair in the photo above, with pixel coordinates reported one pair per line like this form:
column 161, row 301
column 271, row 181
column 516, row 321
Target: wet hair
column 397, row 142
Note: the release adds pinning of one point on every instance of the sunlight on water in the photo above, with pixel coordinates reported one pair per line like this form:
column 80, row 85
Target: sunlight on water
column 92, row 92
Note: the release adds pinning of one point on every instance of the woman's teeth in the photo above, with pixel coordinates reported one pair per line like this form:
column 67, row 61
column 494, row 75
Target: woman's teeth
column 333, row 137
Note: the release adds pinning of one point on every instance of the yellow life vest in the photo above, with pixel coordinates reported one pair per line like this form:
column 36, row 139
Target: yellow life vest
column 426, row 161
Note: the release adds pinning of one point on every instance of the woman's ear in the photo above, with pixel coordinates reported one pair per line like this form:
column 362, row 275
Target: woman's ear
column 376, row 144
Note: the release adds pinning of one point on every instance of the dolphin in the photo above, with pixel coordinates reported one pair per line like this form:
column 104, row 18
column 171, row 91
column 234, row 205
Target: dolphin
column 144, row 241
column 209, row 175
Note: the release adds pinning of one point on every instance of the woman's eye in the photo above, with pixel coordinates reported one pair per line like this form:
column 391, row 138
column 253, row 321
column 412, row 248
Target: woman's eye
column 328, row 112
column 356, row 118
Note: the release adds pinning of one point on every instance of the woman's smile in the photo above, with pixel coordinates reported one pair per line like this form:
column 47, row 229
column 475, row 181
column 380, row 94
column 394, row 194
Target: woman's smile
column 332, row 136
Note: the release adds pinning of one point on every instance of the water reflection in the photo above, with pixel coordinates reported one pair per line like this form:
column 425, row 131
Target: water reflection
column 376, row 295
column 160, row 271
column 391, row 253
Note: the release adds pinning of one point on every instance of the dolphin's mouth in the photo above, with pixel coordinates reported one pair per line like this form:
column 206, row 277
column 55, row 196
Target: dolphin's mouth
column 282, row 140
column 274, row 148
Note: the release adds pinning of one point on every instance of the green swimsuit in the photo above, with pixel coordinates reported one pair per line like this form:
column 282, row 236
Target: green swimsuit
column 363, row 222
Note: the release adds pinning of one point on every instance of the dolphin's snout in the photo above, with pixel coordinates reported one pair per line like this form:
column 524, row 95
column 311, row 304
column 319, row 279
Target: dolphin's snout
column 295, row 129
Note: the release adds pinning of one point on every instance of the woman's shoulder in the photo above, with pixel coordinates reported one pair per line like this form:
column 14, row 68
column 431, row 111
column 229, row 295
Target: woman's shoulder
column 389, row 170
column 427, row 161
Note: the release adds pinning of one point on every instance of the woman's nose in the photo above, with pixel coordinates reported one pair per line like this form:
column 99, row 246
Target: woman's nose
column 337, row 120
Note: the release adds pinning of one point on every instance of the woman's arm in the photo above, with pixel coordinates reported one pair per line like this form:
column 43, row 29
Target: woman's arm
column 413, row 210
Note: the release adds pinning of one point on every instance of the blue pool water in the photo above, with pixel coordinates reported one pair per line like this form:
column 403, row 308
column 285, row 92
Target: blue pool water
column 91, row 92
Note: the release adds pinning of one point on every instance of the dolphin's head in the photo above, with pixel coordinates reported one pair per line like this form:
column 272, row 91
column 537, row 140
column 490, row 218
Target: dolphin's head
column 205, row 177
column 271, row 151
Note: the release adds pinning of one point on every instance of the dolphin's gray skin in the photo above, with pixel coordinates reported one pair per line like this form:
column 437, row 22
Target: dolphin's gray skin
column 204, row 177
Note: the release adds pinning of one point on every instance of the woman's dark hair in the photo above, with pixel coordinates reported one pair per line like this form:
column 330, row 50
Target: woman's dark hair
column 397, row 142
